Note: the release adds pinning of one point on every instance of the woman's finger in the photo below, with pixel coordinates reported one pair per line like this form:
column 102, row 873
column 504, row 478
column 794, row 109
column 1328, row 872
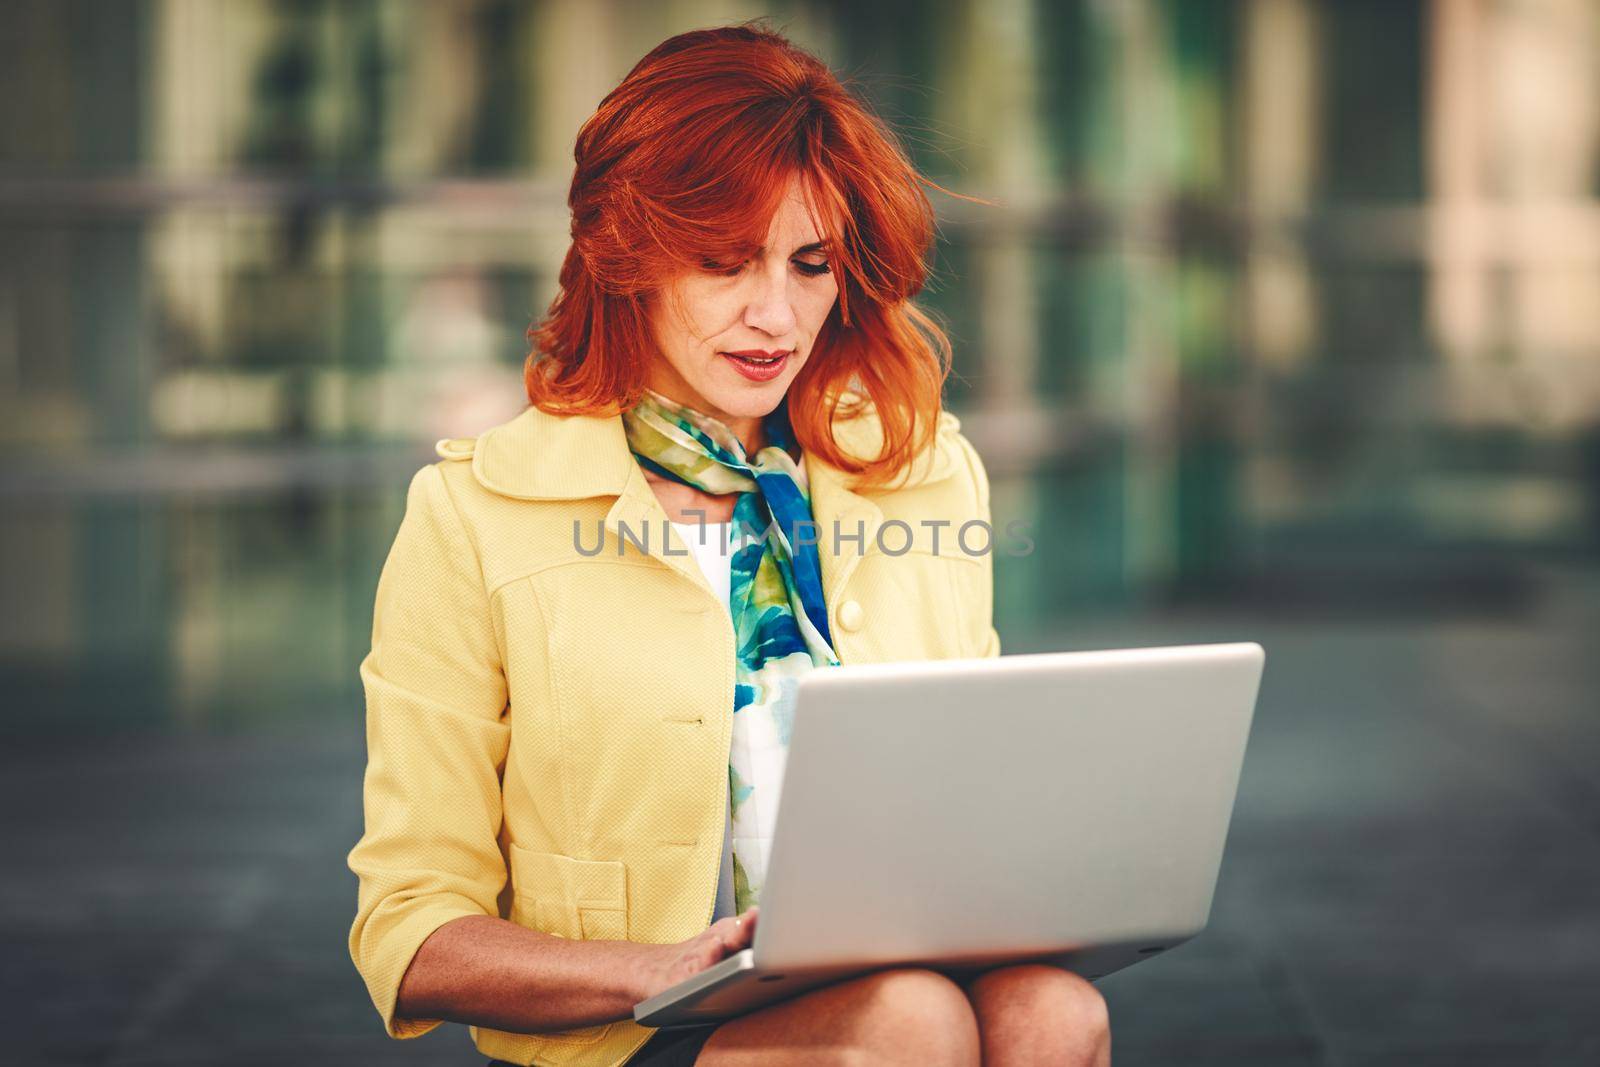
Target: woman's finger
column 727, row 931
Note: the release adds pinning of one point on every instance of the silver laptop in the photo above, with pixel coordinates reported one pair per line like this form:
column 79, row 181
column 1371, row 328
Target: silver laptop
column 1067, row 807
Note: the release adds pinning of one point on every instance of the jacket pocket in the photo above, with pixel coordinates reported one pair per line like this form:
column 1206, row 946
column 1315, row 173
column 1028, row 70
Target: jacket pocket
column 585, row 900
column 582, row 900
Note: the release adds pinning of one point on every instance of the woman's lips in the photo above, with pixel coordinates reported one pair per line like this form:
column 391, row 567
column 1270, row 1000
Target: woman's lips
column 758, row 366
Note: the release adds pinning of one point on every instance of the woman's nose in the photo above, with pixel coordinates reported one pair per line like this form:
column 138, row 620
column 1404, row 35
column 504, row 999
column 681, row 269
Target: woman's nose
column 770, row 309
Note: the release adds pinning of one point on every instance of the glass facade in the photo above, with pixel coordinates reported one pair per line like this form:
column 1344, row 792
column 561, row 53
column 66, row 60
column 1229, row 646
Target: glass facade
column 1286, row 301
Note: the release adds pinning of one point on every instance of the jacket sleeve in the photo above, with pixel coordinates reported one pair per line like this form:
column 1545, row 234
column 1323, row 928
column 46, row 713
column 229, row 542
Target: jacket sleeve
column 436, row 748
column 987, row 638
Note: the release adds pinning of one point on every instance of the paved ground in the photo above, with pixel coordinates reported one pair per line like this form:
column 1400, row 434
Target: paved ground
column 1413, row 875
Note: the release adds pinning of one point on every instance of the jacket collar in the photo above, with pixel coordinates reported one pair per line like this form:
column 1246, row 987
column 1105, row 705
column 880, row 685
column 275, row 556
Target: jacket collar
column 540, row 456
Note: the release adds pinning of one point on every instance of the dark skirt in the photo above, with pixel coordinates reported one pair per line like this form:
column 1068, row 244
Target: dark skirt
column 677, row 1047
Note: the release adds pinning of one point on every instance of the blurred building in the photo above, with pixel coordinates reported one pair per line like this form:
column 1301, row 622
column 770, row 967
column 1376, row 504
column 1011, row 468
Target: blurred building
column 1287, row 303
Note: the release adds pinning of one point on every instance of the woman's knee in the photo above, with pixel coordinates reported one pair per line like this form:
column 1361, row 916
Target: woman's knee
column 1042, row 995
column 913, row 1015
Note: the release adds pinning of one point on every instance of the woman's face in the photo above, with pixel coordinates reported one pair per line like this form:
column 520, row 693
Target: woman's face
column 769, row 308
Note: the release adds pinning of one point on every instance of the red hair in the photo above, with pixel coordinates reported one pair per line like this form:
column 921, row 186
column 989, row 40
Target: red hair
column 685, row 162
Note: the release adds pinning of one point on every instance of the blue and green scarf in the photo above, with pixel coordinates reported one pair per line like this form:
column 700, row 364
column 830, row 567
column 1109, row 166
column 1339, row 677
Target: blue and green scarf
column 780, row 621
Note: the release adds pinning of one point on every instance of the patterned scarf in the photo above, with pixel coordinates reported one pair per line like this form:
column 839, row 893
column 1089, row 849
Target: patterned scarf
column 780, row 622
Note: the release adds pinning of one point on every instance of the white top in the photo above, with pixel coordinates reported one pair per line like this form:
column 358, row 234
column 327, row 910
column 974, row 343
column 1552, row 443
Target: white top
column 717, row 563
column 709, row 544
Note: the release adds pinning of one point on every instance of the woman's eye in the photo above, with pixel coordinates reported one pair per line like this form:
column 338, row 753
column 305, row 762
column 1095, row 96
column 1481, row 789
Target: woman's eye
column 810, row 268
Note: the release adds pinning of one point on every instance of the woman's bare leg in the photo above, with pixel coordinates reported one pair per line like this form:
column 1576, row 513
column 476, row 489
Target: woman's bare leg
column 1038, row 1014
column 904, row 1016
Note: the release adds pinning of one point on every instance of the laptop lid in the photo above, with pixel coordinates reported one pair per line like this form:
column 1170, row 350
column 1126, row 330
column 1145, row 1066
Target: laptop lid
column 963, row 809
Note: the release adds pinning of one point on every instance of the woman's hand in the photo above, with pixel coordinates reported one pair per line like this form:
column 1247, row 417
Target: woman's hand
column 667, row 965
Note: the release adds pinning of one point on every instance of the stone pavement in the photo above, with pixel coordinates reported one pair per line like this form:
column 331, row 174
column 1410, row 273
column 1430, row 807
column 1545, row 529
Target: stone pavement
column 1413, row 875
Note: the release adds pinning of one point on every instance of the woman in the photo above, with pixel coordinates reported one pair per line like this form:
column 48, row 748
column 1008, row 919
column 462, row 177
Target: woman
column 565, row 811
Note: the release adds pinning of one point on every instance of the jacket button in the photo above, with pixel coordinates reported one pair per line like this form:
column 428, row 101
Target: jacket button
column 851, row 616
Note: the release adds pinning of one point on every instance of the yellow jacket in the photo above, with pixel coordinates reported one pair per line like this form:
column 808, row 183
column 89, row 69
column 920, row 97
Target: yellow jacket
column 547, row 731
